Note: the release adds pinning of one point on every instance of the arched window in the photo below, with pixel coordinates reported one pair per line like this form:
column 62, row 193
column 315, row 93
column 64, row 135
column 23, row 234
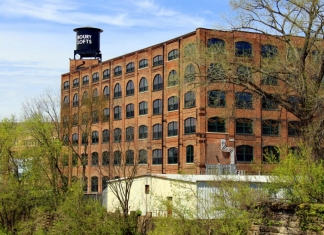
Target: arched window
column 243, row 100
column 85, row 80
column 157, row 60
column 130, row 88
column 95, row 116
column 129, row 133
column 244, row 126
column 216, row 124
column 216, row 98
column 268, row 78
column 294, row 128
column 74, row 160
column 84, row 158
column 129, row 157
column 105, row 136
column 157, row 156
column 244, row 153
column 142, row 132
column 157, row 82
column 190, row 73
column 76, row 82
column 85, row 96
column 215, row 73
column 270, row 154
column 94, row 184
column 130, row 67
column 75, row 139
column 117, row 158
column 268, row 104
column 190, row 125
column 174, row 54
column 117, row 91
column 75, row 100
column 269, row 51
column 130, row 111
column 95, row 137
column 104, row 180
column 244, row 73
column 85, row 184
column 106, row 74
column 117, row 113
column 75, row 119
column 105, row 158
column 84, row 138
column 66, row 85
column 95, row 77
column 157, row 131
column 106, row 92
column 105, row 115
column 172, row 129
column 190, row 99
column 172, row 155
column 190, row 154
column 143, row 85
column 173, row 78
column 117, row 71
column 190, row 49
column 216, row 42
column 143, row 63
column 95, row 95
column 270, row 127
column 117, row 135
column 143, row 108
column 157, row 106
column 94, row 159
column 173, row 103
column 66, row 100
column 85, row 118
column 142, row 156
column 243, row 49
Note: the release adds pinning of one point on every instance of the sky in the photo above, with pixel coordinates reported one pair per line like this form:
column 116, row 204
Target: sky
column 37, row 37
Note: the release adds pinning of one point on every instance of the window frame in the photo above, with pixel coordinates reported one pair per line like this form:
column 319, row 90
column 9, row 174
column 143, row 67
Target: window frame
column 243, row 100
column 157, row 60
column 190, row 154
column 95, row 137
column 105, row 136
column 95, row 77
column 173, row 155
column 85, row 80
column 130, row 113
column 245, row 154
column 117, row 112
column 143, row 64
column 118, row 71
column 172, row 129
column 157, row 158
column 117, row 91
column 157, row 107
column 142, row 132
column 130, row 88
column 173, row 79
column 216, row 125
column 173, row 103
column 270, row 129
column 190, row 125
column 246, row 128
column 174, row 54
column 143, row 110
column 157, row 131
column 243, row 49
column 143, row 86
column 129, row 134
column 117, row 135
column 106, row 74
column 94, row 159
column 157, row 82
column 130, row 67
column 190, row 99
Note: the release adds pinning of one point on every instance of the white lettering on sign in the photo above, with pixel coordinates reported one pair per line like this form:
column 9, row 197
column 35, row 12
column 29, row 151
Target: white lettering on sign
column 84, row 39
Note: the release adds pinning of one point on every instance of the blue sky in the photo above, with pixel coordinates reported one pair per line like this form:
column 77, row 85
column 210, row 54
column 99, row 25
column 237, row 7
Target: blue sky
column 37, row 38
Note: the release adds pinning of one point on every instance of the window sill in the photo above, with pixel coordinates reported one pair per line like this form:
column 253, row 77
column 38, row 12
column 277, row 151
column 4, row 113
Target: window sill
column 160, row 89
column 172, row 136
column 129, row 117
column 143, row 91
column 145, row 67
column 189, row 107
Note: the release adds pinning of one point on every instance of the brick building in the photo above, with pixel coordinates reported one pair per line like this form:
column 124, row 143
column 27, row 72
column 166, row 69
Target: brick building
column 150, row 104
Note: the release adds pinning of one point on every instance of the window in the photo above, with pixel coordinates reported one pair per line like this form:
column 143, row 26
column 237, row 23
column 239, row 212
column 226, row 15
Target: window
column 216, row 42
column 117, row 135
column 243, row 49
column 190, row 99
column 293, row 53
column 243, row 100
column 216, row 98
column 268, row 79
column 95, row 77
column 85, row 96
column 84, row 138
column 66, row 85
column 142, row 132
column 294, row 100
column 157, row 106
column 173, row 103
column 143, row 85
column 215, row 73
column 85, row 184
column 104, row 182
column 130, row 133
column 172, row 129
column 216, row 124
column 174, row 54
column 117, row 91
column 94, row 184
column 143, row 108
column 157, row 60
column 95, row 137
column 269, row 51
column 268, row 104
column 74, row 160
column 270, row 127
column 190, row 49
column 244, row 153
column 105, row 116
column 106, row 74
column 76, row 82
column 84, row 158
column 95, row 116
column 129, row 157
column 190, row 73
column 66, row 100
column 105, row 136
column 94, row 159
column 173, row 78
column 270, row 154
column 157, row 157
column 105, row 158
column 85, row 80
column 142, row 156
column 117, row 71
column 130, row 111
column 75, row 119
column 190, row 154
column 66, row 121
column 75, row 100
column 130, row 67
column 157, row 82
column 244, row 126
column 117, row 113
column 294, row 128
column 172, row 155
column 130, row 88
column 106, row 92
column 157, row 131
column 95, row 95
column 85, row 118
column 243, row 73
column 75, row 139
column 190, row 125
column 117, row 158
column 143, row 63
